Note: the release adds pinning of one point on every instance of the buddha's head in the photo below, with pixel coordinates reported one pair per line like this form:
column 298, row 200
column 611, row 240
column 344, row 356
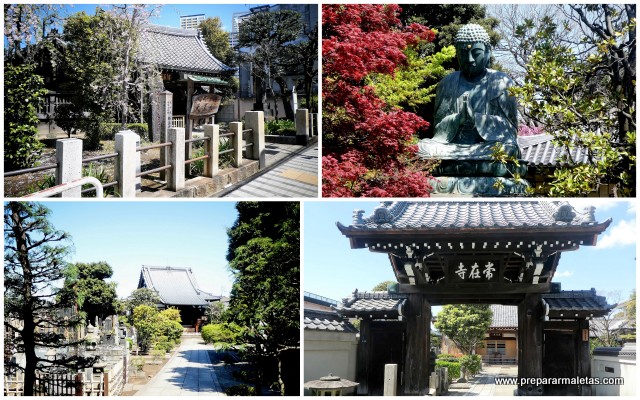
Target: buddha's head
column 473, row 49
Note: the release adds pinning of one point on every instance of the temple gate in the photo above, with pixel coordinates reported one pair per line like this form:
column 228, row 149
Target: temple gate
column 471, row 252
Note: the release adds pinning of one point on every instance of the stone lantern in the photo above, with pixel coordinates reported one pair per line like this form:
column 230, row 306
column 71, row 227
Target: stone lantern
column 329, row 386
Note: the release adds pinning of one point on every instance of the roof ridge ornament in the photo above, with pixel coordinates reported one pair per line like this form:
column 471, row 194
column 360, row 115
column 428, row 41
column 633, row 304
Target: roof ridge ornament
column 382, row 214
column 357, row 217
column 564, row 213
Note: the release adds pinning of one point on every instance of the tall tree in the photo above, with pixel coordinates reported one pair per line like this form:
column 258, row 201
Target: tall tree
column 217, row 40
column 584, row 95
column 141, row 297
column 465, row 324
column 267, row 35
column 34, row 259
column 382, row 286
column 25, row 29
column 85, row 284
column 264, row 257
column 368, row 147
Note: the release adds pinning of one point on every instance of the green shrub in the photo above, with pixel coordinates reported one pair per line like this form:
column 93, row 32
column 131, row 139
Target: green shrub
column 453, row 367
column 158, row 354
column 138, row 363
column 447, row 357
column 225, row 335
column 472, row 363
column 282, row 127
column 109, row 130
column 23, row 91
column 240, row 390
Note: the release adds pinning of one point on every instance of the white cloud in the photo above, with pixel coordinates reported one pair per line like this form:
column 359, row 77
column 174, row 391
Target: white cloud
column 563, row 274
column 621, row 234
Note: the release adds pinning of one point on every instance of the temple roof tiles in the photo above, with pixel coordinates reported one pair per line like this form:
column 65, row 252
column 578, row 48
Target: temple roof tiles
column 371, row 301
column 576, row 300
column 328, row 321
column 470, row 214
column 175, row 286
column 504, row 316
column 539, row 150
column 178, row 49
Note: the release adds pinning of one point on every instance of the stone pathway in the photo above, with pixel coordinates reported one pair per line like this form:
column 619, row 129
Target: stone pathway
column 296, row 177
column 484, row 383
column 188, row 373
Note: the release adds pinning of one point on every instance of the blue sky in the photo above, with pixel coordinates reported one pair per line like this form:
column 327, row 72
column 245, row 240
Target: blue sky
column 169, row 14
column 332, row 269
column 128, row 235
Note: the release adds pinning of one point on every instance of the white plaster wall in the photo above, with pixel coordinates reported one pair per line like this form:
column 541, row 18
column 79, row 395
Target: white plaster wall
column 621, row 368
column 329, row 352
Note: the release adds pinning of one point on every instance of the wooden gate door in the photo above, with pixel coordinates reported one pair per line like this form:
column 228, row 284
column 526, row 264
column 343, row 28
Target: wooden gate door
column 559, row 361
column 387, row 347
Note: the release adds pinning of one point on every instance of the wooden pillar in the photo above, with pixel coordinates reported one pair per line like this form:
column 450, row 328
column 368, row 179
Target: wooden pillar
column 363, row 357
column 582, row 355
column 417, row 341
column 530, row 324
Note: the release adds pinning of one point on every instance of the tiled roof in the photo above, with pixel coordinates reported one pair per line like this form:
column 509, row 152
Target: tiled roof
column 175, row 286
column 576, row 300
column 371, row 301
column 539, row 150
column 504, row 316
column 471, row 214
column 328, row 321
column 178, row 49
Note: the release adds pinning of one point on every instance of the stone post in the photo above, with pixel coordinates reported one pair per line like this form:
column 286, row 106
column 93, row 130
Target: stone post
column 302, row 126
column 128, row 162
column 390, row 379
column 69, row 160
column 236, row 128
column 255, row 122
column 175, row 179
column 161, row 120
column 212, row 132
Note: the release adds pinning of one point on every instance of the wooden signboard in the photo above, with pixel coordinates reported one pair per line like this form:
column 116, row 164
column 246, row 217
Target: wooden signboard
column 204, row 105
column 474, row 270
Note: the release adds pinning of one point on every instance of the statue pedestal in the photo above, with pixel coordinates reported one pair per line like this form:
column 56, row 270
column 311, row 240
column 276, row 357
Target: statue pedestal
column 477, row 186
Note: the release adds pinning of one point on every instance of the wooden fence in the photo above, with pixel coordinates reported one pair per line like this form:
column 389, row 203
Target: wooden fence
column 109, row 383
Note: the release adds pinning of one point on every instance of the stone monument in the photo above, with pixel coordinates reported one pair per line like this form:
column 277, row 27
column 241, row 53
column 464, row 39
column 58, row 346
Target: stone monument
column 475, row 116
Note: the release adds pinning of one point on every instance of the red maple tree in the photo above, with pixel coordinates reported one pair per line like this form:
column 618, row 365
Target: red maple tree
column 368, row 147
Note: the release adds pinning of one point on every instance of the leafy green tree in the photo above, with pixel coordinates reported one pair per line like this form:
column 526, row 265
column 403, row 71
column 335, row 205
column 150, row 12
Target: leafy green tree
column 215, row 312
column 217, row 40
column 584, row 95
column 268, row 34
column 34, row 260
column 382, row 286
column 145, row 320
column 264, row 257
column 23, row 91
column 465, row 324
column 85, row 284
column 142, row 296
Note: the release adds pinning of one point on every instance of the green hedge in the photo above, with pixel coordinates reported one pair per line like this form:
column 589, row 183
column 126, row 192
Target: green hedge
column 447, row 357
column 282, row 127
column 453, row 367
column 108, row 130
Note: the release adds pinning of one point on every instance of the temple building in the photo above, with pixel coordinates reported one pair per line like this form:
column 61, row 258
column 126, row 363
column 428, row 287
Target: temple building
column 178, row 288
column 473, row 252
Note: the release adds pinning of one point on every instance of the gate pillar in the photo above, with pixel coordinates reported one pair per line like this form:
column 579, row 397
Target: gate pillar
column 363, row 360
column 530, row 325
column 582, row 355
column 416, row 363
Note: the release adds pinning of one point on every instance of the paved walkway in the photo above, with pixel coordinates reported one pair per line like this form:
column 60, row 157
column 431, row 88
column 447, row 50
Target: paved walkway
column 188, row 373
column 296, row 177
column 484, row 383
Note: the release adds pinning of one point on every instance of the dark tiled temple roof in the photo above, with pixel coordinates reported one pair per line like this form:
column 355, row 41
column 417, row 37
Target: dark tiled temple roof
column 328, row 321
column 576, row 301
column 504, row 316
column 568, row 302
column 470, row 214
column 175, row 286
column 366, row 302
column 178, row 49
column 539, row 150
